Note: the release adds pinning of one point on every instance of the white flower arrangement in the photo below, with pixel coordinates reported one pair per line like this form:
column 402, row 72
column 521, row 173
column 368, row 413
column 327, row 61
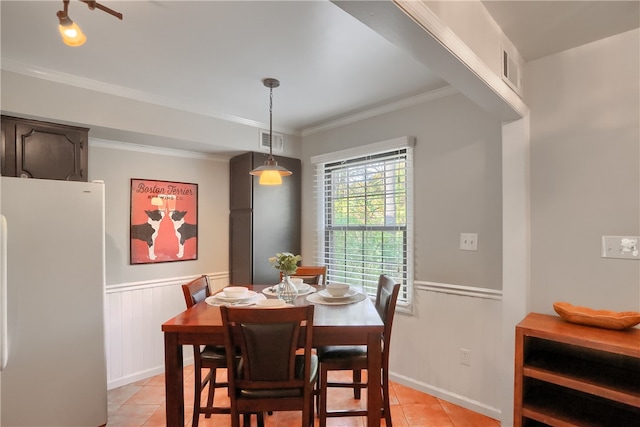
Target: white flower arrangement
column 286, row 262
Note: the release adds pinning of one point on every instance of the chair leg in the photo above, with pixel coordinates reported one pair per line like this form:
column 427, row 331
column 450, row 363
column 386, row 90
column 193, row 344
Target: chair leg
column 385, row 398
column 197, row 393
column 235, row 419
column 311, row 412
column 212, row 390
column 322, row 396
column 357, row 379
column 260, row 419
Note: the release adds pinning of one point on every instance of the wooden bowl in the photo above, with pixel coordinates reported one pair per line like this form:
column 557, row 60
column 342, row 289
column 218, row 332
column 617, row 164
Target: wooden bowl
column 599, row 318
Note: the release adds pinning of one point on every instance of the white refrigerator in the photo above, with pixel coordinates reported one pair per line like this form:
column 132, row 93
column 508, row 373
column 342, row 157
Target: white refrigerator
column 52, row 344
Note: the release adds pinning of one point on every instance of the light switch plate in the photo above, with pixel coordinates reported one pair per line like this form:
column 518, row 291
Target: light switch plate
column 469, row 241
column 622, row 247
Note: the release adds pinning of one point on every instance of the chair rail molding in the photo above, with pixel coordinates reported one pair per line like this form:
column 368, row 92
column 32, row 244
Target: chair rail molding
column 468, row 291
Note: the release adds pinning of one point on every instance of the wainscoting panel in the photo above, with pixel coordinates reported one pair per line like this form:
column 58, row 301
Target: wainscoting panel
column 134, row 314
column 425, row 349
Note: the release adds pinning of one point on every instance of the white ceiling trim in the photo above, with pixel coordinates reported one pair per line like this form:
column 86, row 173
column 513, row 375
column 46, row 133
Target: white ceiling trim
column 383, row 109
column 430, row 22
column 148, row 149
column 136, row 95
column 124, row 92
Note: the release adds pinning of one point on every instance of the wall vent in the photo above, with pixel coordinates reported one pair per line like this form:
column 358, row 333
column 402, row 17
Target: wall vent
column 278, row 141
column 511, row 72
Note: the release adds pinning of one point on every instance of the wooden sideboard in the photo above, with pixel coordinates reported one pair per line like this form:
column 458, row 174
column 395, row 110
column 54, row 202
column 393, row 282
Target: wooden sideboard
column 574, row 375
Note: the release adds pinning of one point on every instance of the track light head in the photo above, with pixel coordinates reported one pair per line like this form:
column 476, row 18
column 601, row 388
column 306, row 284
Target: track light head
column 71, row 33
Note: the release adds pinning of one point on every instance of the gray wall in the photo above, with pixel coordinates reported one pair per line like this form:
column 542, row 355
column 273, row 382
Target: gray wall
column 585, row 181
column 116, row 167
column 457, row 176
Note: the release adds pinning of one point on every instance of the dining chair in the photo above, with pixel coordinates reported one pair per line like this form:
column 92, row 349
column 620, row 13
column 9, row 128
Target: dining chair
column 354, row 358
column 277, row 370
column 210, row 357
column 313, row 275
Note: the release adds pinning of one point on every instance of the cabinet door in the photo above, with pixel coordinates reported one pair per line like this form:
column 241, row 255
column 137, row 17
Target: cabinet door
column 43, row 150
column 241, row 247
column 241, row 183
column 276, row 219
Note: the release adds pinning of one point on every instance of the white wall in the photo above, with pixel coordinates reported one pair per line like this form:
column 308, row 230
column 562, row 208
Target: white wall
column 585, row 175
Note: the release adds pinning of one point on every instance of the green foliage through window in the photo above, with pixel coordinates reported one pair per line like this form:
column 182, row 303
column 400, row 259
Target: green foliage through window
column 366, row 216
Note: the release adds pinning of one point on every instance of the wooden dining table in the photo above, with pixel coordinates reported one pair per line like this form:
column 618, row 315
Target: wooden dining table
column 349, row 324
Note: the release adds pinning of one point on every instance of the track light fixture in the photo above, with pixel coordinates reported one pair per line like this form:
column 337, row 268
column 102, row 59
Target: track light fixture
column 71, row 34
column 270, row 173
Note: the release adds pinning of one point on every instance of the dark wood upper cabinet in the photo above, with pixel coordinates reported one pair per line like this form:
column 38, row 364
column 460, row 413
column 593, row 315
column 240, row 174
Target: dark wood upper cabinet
column 263, row 220
column 35, row 149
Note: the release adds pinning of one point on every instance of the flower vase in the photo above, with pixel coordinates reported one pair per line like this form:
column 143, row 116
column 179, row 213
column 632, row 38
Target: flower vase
column 287, row 291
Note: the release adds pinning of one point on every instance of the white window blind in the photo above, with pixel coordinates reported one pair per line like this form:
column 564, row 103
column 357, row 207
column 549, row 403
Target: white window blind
column 366, row 221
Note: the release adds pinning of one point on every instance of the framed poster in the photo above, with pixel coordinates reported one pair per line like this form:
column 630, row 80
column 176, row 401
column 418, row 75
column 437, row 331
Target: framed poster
column 164, row 221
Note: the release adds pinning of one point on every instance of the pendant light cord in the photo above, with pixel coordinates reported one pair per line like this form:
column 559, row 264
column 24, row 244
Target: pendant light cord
column 270, row 122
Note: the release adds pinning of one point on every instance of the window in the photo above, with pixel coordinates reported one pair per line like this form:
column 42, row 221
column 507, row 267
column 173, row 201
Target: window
column 365, row 207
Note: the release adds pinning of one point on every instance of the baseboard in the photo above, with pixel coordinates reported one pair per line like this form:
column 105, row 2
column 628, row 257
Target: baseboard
column 454, row 398
column 142, row 375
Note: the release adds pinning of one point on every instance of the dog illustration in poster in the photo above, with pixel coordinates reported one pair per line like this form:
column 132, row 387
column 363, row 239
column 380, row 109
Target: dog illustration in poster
column 154, row 239
column 148, row 232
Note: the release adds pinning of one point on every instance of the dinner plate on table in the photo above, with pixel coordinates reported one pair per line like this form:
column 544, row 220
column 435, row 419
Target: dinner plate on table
column 272, row 303
column 316, row 298
column 327, row 296
column 271, row 290
column 221, row 299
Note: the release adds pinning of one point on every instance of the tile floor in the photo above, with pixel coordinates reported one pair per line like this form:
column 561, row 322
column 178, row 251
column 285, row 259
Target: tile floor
column 141, row 404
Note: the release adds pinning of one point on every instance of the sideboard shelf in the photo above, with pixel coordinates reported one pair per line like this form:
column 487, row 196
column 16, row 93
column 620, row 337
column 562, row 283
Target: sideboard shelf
column 574, row 375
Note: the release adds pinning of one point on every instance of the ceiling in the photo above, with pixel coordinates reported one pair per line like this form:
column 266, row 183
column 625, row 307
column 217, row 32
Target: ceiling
column 209, row 57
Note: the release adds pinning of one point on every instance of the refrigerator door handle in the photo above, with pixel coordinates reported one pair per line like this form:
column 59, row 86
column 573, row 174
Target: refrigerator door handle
column 4, row 343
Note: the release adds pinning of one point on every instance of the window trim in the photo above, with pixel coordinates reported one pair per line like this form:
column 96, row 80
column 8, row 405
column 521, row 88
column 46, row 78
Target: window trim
column 319, row 161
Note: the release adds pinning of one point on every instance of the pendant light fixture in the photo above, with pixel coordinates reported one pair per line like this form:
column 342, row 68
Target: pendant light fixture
column 270, row 173
column 71, row 34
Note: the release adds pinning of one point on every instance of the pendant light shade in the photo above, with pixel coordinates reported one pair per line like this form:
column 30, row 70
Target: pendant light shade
column 270, row 173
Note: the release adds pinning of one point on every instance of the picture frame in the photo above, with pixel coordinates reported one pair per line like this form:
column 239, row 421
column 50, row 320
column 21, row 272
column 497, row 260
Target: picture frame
column 163, row 224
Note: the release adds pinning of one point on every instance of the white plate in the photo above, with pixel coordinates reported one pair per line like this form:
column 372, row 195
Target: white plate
column 327, row 296
column 271, row 303
column 317, row 299
column 222, row 297
column 272, row 292
column 212, row 300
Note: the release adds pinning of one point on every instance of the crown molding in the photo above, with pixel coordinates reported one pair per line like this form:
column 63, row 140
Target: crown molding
column 136, row 95
column 430, row 22
column 383, row 109
column 125, row 92
column 148, row 149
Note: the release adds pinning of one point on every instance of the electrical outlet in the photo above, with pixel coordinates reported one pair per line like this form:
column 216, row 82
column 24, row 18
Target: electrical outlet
column 465, row 357
column 469, row 241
